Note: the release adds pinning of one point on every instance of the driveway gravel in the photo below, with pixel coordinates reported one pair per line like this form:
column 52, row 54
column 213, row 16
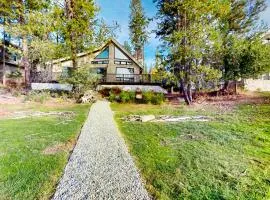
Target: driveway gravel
column 100, row 166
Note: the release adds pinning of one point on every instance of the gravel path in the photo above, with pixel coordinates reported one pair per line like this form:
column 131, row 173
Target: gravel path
column 100, row 166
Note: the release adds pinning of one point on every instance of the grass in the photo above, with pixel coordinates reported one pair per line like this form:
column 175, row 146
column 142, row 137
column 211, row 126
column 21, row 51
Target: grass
column 226, row 158
column 25, row 171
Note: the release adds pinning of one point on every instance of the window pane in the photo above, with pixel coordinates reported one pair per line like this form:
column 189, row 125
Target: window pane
column 119, row 54
column 98, row 70
column 122, row 70
column 104, row 54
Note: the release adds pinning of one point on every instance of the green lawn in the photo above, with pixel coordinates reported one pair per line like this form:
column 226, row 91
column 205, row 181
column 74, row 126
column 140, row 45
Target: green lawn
column 26, row 172
column 226, row 158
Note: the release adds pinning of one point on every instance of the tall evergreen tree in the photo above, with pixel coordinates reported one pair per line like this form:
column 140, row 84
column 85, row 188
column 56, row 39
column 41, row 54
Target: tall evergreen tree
column 4, row 13
column 138, row 24
column 240, row 22
column 18, row 25
column 186, row 28
column 77, row 26
column 127, row 47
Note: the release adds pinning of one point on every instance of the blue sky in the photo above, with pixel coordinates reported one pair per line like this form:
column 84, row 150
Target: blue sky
column 118, row 10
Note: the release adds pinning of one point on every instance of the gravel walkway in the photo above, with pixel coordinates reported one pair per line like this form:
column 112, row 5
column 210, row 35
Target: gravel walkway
column 100, row 166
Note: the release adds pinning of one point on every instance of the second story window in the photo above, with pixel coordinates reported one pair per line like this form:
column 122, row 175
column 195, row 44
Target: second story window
column 104, row 54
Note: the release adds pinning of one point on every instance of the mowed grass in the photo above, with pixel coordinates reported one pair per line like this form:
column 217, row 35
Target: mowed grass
column 26, row 172
column 226, row 158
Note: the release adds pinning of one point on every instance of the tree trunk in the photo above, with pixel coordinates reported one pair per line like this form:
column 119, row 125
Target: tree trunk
column 69, row 4
column 25, row 63
column 189, row 92
column 235, row 87
column 25, row 60
column 226, row 85
column 185, row 92
column 4, row 55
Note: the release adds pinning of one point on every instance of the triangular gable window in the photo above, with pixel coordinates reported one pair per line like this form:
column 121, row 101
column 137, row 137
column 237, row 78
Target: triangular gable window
column 119, row 54
column 104, row 54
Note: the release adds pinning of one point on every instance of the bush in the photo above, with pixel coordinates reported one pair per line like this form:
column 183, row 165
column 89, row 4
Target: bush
column 16, row 74
column 82, row 80
column 116, row 95
column 154, row 98
column 147, row 96
column 105, row 92
column 157, row 99
column 39, row 97
column 112, row 97
column 127, row 97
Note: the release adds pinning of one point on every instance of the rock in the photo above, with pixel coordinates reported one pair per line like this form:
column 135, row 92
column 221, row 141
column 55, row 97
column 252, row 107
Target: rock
column 165, row 118
column 139, row 96
column 138, row 92
column 132, row 118
column 89, row 96
column 147, row 118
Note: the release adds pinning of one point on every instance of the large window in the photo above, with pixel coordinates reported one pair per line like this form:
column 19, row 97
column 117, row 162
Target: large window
column 104, row 54
column 118, row 54
column 125, row 74
column 124, row 70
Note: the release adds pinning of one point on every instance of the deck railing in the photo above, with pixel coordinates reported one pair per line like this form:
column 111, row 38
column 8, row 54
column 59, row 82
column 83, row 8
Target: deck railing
column 128, row 79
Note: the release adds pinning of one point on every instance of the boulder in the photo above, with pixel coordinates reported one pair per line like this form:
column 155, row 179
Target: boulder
column 89, row 96
column 147, row 118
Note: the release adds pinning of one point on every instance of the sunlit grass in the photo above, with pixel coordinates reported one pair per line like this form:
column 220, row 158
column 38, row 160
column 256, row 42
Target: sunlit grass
column 226, row 158
column 25, row 171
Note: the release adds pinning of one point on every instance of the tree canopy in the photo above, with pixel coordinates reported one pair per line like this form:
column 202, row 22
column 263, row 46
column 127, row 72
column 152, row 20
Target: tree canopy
column 138, row 24
column 206, row 42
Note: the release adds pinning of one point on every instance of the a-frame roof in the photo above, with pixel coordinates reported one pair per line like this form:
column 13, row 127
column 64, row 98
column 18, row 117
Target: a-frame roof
column 117, row 44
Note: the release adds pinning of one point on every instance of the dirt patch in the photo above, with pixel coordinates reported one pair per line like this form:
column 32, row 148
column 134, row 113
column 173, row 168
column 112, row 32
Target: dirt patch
column 10, row 100
column 26, row 114
column 4, row 113
column 167, row 118
column 67, row 147
column 164, row 118
column 229, row 102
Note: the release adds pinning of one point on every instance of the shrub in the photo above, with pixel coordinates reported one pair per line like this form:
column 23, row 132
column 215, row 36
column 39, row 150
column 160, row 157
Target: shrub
column 116, row 90
column 130, row 97
column 105, row 92
column 82, row 80
column 16, row 74
column 127, row 97
column 147, row 96
column 39, row 97
column 157, row 99
column 112, row 97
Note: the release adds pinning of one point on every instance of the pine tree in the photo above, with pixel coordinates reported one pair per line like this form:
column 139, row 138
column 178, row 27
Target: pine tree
column 127, row 47
column 241, row 21
column 138, row 24
column 17, row 15
column 4, row 13
column 186, row 30
column 77, row 26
